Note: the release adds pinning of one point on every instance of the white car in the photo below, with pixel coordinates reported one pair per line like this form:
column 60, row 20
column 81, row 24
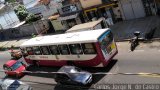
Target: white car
column 11, row 84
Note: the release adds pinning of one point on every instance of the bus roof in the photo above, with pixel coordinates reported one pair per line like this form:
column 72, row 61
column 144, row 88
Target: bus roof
column 67, row 38
column 84, row 26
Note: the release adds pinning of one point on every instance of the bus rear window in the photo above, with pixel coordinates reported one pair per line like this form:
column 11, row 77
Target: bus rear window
column 54, row 50
column 89, row 48
column 37, row 50
column 45, row 50
column 64, row 49
column 29, row 51
column 75, row 49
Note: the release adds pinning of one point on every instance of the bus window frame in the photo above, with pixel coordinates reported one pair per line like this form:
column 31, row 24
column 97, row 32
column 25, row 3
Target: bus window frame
column 49, row 47
column 48, row 50
column 36, row 50
column 23, row 51
column 68, row 49
column 28, row 52
column 80, row 47
column 84, row 48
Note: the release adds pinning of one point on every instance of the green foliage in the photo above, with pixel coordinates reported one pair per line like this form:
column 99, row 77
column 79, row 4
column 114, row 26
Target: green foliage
column 31, row 18
column 10, row 1
column 21, row 12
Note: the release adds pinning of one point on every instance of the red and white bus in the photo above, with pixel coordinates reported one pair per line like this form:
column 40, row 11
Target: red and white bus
column 93, row 48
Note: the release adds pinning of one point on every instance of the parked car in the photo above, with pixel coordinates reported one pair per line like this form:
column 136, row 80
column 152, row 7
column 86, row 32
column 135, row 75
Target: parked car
column 10, row 84
column 73, row 75
column 14, row 68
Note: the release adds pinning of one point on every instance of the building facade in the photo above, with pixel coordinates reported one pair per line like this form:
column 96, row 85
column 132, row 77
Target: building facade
column 75, row 12
column 26, row 30
column 8, row 17
column 70, row 13
column 94, row 9
column 90, row 3
column 44, row 8
column 132, row 9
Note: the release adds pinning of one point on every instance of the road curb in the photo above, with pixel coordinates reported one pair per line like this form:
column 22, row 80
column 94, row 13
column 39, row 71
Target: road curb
column 140, row 39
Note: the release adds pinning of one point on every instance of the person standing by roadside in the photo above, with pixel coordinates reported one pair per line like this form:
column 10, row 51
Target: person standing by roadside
column 108, row 20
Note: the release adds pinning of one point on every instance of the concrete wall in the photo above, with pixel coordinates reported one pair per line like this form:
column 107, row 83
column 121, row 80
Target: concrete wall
column 8, row 18
column 89, row 3
column 25, row 30
column 131, row 9
column 41, row 25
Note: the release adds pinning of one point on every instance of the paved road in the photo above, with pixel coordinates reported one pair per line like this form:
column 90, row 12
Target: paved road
column 145, row 59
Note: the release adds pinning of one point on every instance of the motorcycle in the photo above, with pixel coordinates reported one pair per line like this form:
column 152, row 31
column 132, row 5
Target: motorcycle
column 135, row 41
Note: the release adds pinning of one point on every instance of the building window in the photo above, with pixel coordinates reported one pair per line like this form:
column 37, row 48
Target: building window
column 54, row 50
column 45, row 50
column 71, row 23
column 75, row 49
column 64, row 49
column 92, row 15
column 89, row 48
column 37, row 50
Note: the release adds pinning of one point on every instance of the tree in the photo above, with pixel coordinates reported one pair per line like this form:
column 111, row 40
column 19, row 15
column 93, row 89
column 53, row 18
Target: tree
column 10, row 1
column 32, row 18
column 21, row 12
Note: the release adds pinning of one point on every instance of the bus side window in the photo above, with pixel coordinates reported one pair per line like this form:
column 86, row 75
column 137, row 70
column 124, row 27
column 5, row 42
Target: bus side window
column 45, row 50
column 37, row 50
column 75, row 49
column 23, row 51
column 29, row 51
column 89, row 48
column 64, row 50
column 54, row 50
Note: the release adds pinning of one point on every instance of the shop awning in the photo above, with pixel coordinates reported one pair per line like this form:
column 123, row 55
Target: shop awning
column 68, row 17
column 54, row 17
column 100, row 6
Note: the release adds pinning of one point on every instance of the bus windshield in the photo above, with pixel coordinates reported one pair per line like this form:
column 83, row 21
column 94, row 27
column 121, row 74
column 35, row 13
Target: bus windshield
column 107, row 39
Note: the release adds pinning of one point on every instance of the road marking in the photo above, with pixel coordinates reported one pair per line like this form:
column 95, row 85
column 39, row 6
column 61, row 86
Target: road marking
column 114, row 71
column 139, row 50
column 136, row 51
column 153, row 75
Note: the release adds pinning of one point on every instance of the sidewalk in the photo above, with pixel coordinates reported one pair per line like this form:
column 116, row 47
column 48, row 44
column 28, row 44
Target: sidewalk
column 7, row 44
column 152, row 45
column 124, row 30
